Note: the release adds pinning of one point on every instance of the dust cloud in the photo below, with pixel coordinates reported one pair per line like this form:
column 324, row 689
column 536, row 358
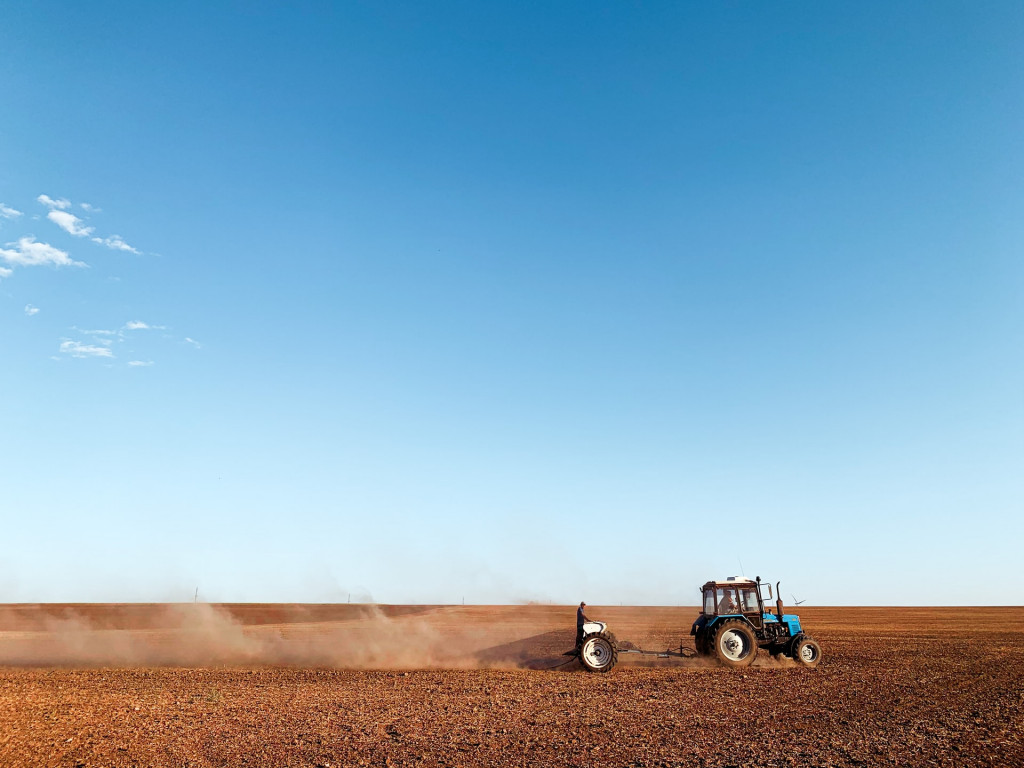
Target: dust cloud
column 196, row 635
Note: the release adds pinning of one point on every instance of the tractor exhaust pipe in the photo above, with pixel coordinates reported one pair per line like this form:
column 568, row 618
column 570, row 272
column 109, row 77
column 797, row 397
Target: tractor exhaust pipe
column 778, row 600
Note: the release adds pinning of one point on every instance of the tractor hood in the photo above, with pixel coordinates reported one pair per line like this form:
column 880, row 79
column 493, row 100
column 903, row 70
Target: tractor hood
column 791, row 621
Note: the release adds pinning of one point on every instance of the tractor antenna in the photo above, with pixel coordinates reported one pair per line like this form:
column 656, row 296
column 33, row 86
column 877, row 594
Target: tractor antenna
column 741, row 566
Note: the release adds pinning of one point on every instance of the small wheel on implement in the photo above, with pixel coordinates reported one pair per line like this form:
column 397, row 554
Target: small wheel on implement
column 734, row 644
column 598, row 652
column 806, row 651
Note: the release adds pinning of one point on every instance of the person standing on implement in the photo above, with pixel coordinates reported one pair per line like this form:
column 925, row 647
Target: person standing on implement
column 581, row 619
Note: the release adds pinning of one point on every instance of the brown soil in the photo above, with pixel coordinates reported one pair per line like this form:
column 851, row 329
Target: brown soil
column 272, row 685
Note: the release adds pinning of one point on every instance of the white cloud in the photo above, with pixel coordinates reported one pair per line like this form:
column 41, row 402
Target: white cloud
column 4, row 272
column 31, row 310
column 78, row 349
column 8, row 213
column 69, row 223
column 140, row 363
column 107, row 337
column 193, row 342
column 73, row 225
column 29, row 253
column 49, row 202
column 138, row 325
column 115, row 242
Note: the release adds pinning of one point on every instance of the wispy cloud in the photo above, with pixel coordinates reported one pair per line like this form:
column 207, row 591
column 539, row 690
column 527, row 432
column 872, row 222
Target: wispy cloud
column 105, row 336
column 115, row 242
column 7, row 212
column 101, row 342
column 138, row 325
column 49, row 202
column 73, row 225
column 78, row 349
column 29, row 253
column 5, row 272
column 31, row 310
column 70, row 223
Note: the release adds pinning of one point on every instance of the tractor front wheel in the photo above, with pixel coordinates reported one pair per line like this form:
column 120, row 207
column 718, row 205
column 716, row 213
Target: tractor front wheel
column 734, row 644
column 806, row 652
column 598, row 652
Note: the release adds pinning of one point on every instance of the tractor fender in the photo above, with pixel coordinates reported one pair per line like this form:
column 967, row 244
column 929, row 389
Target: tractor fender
column 698, row 624
column 708, row 623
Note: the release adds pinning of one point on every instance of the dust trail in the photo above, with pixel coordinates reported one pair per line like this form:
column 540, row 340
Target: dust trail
column 190, row 635
column 778, row 661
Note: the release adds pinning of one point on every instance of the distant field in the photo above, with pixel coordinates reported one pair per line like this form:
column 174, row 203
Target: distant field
column 307, row 685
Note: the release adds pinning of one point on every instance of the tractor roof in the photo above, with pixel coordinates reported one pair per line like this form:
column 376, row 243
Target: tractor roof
column 732, row 581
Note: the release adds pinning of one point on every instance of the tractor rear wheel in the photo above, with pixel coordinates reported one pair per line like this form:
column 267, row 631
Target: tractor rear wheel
column 734, row 644
column 598, row 652
column 700, row 642
column 806, row 652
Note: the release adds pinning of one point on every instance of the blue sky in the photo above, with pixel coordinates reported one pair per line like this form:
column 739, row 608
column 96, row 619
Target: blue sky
column 425, row 301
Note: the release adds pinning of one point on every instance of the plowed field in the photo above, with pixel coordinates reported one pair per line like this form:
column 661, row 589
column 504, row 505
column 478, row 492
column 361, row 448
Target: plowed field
column 271, row 685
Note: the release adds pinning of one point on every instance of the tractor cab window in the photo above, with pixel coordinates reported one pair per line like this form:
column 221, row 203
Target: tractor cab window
column 726, row 600
column 709, row 602
column 748, row 601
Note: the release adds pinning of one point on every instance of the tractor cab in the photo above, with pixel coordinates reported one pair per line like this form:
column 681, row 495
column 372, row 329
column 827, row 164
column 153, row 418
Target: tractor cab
column 734, row 597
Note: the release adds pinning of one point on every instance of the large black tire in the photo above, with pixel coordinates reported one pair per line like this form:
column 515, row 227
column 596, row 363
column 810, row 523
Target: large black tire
column 598, row 652
column 700, row 642
column 734, row 644
column 806, row 651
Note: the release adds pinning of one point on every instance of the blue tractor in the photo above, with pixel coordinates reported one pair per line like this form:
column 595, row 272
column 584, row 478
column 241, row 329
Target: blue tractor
column 734, row 623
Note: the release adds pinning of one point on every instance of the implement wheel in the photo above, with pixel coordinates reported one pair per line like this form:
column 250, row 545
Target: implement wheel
column 734, row 644
column 598, row 652
column 806, row 652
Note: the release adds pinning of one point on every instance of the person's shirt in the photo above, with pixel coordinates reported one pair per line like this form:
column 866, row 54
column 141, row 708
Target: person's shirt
column 580, row 617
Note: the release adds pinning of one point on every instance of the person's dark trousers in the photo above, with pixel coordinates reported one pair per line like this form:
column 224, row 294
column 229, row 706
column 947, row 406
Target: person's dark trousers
column 579, row 635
